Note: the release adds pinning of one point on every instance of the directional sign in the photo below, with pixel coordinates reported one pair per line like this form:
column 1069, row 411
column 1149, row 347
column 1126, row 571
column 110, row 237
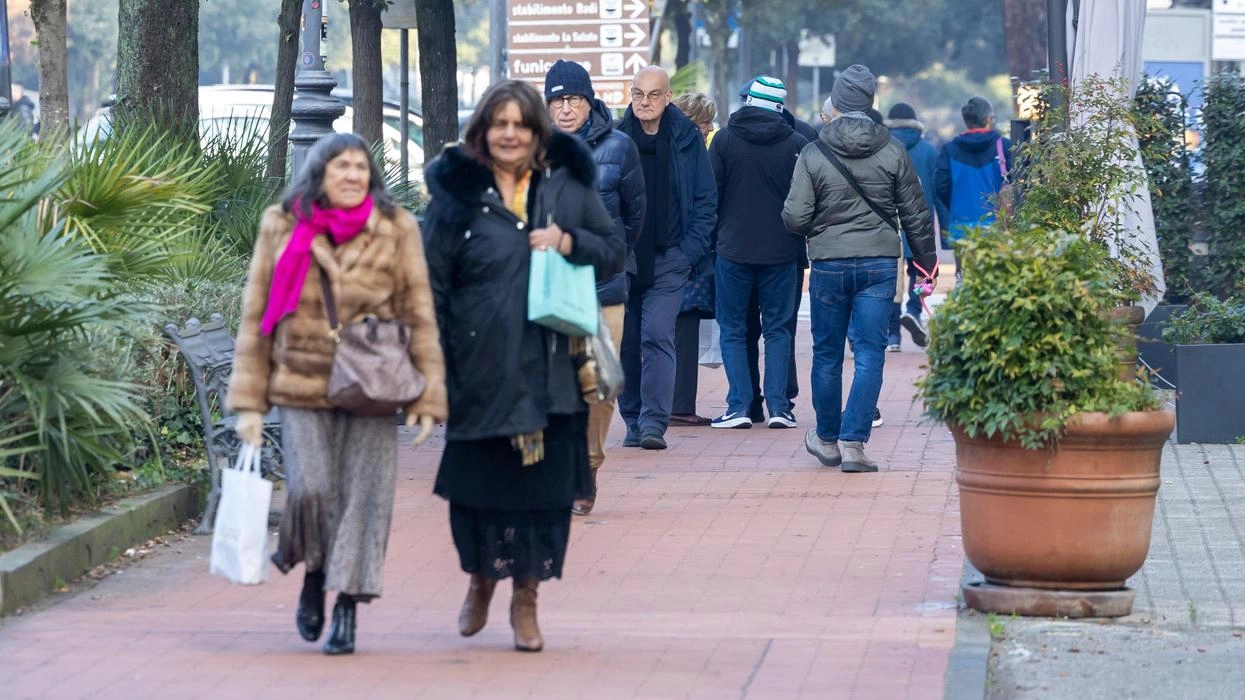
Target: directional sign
column 609, row 38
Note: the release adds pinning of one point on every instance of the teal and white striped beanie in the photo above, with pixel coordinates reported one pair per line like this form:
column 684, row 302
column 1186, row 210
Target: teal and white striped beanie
column 768, row 92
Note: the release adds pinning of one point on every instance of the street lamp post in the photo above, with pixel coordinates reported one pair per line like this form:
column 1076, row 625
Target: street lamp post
column 314, row 109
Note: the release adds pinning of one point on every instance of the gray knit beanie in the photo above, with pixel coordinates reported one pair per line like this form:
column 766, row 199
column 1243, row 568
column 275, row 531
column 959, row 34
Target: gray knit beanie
column 853, row 89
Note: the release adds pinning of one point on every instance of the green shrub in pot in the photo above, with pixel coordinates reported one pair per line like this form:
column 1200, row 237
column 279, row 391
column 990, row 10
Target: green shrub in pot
column 1207, row 320
column 1024, row 342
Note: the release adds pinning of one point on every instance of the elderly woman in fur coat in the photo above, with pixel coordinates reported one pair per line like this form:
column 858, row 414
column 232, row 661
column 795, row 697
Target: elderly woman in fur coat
column 336, row 220
column 516, row 456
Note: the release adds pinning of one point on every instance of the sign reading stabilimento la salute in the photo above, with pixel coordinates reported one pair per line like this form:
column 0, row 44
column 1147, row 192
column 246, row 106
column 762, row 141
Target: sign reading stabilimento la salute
column 609, row 38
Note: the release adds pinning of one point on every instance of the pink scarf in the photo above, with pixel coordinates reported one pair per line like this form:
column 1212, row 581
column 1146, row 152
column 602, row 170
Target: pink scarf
column 291, row 270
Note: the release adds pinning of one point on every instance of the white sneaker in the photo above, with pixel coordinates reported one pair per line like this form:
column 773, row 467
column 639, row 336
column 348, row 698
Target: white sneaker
column 916, row 328
column 738, row 419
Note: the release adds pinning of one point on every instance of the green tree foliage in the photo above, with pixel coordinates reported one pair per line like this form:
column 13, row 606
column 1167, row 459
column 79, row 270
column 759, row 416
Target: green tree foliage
column 1224, row 155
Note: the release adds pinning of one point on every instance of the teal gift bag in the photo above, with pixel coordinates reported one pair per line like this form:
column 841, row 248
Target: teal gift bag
column 562, row 296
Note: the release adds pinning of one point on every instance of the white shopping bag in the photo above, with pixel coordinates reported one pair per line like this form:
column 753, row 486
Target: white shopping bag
column 710, row 344
column 240, row 539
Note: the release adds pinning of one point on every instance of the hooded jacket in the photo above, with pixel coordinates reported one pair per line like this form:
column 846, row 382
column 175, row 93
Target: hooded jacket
column 753, row 159
column 504, row 374
column 823, row 207
column 967, row 176
column 620, row 183
column 693, row 183
column 910, row 133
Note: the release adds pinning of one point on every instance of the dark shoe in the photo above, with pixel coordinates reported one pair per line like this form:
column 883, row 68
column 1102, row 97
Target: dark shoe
column 826, row 452
column 474, row 615
column 916, row 329
column 527, row 635
column 757, row 411
column 632, row 439
column 653, row 441
column 341, row 637
column 310, row 615
column 855, row 461
column 782, row 420
column 876, row 422
column 583, row 506
column 738, row 420
column 689, row 419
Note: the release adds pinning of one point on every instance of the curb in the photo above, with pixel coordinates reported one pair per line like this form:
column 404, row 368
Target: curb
column 30, row 572
column 967, row 669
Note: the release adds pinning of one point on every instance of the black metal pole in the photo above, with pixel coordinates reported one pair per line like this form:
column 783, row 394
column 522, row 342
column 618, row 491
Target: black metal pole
column 498, row 11
column 6, row 78
column 314, row 109
column 1057, row 47
column 404, row 99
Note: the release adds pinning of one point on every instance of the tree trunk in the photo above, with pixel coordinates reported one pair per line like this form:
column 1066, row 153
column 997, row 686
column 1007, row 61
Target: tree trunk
column 791, row 78
column 158, row 66
column 50, row 27
column 367, row 79
column 283, row 88
column 719, row 62
column 682, row 33
column 1024, row 31
column 438, row 68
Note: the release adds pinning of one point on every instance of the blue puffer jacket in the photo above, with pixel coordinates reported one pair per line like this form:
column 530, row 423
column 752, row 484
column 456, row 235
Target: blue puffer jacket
column 620, row 182
column 967, row 176
column 924, row 156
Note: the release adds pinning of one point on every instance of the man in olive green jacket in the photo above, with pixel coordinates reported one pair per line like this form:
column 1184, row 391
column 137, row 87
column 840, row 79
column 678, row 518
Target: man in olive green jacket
column 854, row 254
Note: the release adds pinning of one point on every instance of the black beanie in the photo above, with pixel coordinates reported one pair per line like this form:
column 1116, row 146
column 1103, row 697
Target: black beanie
column 567, row 78
column 901, row 110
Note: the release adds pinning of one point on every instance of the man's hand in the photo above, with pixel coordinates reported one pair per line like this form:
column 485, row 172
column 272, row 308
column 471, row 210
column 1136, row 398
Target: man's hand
column 425, row 427
column 250, row 427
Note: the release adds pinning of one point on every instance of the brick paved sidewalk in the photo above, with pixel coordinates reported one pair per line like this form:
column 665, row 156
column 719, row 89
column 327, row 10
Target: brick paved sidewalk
column 730, row 566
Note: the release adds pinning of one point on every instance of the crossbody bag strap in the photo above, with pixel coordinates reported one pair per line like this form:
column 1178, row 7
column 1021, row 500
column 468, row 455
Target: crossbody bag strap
column 998, row 148
column 330, row 304
column 847, row 175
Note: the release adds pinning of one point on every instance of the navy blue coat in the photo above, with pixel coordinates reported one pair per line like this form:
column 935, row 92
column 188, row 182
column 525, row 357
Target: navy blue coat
column 924, row 156
column 694, row 183
column 620, row 182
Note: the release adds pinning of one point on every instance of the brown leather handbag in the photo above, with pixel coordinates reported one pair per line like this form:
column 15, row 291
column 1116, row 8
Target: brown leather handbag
column 372, row 372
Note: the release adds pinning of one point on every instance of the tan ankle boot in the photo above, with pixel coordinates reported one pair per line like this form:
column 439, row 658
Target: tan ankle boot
column 474, row 614
column 584, row 506
column 523, row 616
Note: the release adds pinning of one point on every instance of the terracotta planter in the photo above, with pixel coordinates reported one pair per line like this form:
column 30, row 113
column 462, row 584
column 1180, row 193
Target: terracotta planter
column 1076, row 518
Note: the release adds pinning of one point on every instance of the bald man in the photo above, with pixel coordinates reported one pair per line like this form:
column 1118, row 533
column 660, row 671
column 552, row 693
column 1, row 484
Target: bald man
column 680, row 213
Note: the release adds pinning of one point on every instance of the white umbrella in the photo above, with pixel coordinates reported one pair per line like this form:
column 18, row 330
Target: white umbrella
column 1106, row 41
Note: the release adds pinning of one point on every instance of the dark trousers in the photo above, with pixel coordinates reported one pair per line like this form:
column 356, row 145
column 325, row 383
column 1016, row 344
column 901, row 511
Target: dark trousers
column 648, row 346
column 754, row 351
column 686, row 363
column 913, row 306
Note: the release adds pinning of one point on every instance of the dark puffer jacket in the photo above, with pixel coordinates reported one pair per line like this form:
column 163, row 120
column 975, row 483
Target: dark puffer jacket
column 504, row 374
column 823, row 207
column 620, row 182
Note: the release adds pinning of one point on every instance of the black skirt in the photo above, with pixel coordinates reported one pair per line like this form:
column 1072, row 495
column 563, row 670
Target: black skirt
column 509, row 520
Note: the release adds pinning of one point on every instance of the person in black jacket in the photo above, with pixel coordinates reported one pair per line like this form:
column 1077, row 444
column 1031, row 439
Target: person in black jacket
column 516, row 454
column 753, row 159
column 620, row 183
column 680, row 206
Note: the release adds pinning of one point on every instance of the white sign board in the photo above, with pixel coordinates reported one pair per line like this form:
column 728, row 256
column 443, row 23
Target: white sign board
column 1229, row 30
column 400, row 14
column 816, row 51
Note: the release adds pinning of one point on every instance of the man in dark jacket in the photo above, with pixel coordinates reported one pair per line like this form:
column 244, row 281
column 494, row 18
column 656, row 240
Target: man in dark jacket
column 574, row 109
column 753, row 159
column 971, row 170
column 680, row 206
column 909, row 131
column 854, row 253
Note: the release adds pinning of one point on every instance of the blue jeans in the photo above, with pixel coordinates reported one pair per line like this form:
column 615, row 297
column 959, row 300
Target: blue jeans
column 775, row 291
column 855, row 292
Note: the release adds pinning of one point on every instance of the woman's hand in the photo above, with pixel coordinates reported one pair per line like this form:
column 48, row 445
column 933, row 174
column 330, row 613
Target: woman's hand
column 250, row 427
column 551, row 236
column 425, row 427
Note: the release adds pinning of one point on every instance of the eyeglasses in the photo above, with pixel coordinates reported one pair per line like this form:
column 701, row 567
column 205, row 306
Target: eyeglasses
column 575, row 101
column 653, row 96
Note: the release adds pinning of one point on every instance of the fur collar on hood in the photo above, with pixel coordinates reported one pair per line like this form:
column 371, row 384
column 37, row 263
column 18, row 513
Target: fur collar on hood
column 905, row 124
column 456, row 181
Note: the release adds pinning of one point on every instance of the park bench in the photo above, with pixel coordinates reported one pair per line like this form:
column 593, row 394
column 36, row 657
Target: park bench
column 208, row 351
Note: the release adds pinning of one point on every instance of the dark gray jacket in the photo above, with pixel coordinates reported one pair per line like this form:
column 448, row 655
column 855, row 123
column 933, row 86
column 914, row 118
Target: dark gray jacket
column 620, row 182
column 823, row 207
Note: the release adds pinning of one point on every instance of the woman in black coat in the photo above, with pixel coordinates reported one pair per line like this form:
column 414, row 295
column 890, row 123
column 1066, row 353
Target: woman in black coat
column 516, row 456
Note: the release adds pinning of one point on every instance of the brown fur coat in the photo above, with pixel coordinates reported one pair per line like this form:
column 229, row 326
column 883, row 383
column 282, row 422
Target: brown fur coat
column 382, row 271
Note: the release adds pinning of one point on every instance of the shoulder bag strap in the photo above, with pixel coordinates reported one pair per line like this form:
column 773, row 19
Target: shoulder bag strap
column 998, row 148
column 330, row 304
column 847, row 175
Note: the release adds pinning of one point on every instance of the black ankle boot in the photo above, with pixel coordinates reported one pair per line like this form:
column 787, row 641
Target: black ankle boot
column 341, row 637
column 310, row 615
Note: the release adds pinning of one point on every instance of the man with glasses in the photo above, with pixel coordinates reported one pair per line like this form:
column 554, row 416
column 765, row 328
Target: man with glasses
column 574, row 109
column 680, row 213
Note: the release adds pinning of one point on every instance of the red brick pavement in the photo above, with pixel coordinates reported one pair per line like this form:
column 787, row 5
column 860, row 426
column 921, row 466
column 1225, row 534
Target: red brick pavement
column 730, row 566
